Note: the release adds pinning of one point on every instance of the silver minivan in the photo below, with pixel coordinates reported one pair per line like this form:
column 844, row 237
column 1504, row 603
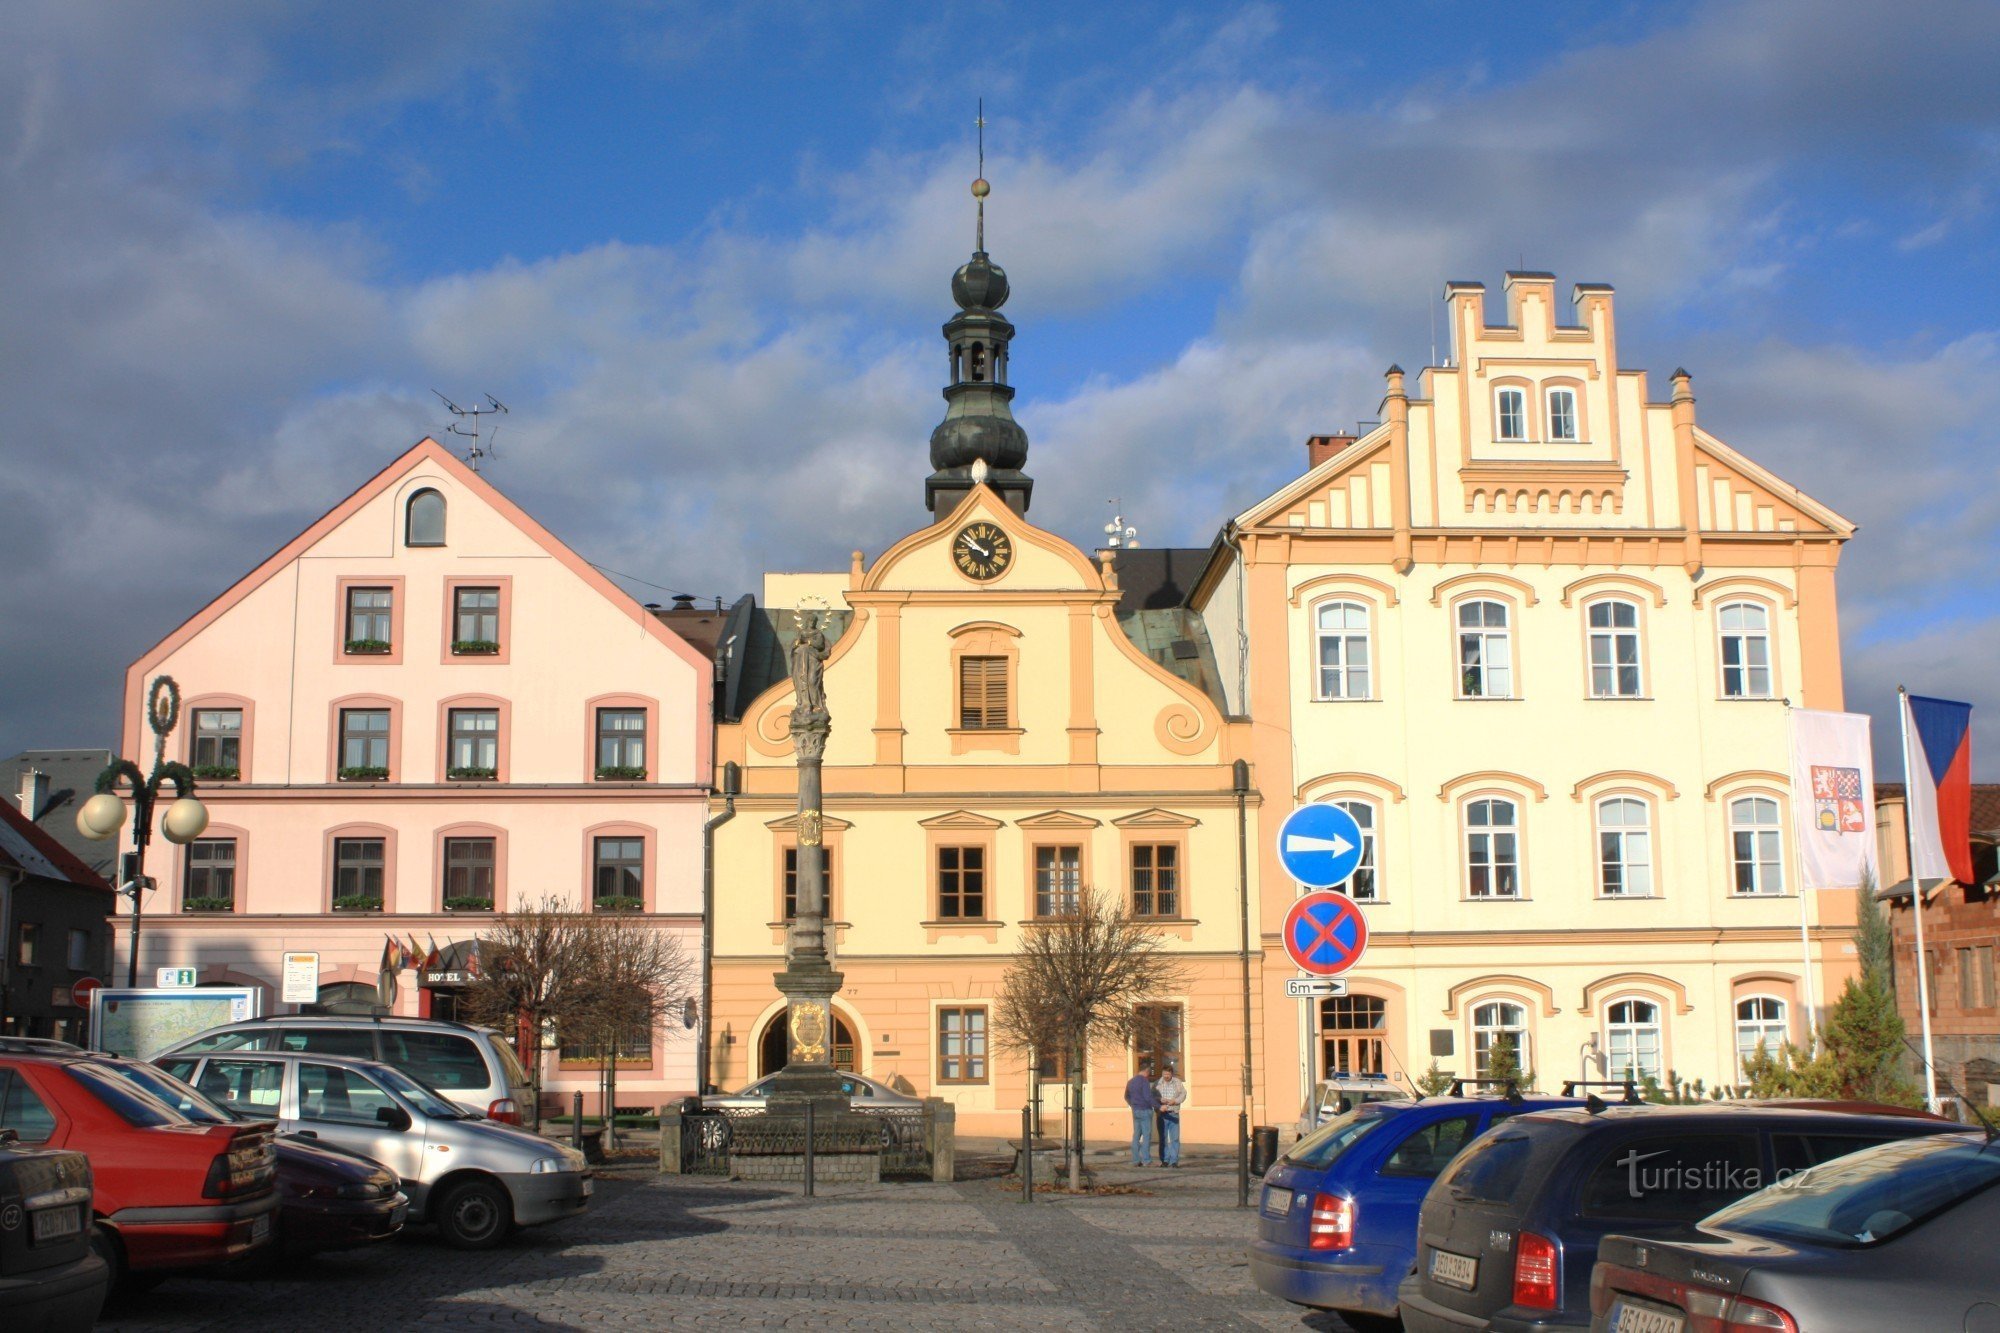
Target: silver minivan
column 476, row 1179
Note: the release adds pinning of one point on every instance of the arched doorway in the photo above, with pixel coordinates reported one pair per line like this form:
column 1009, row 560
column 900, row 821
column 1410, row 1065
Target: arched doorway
column 348, row 997
column 771, row 1055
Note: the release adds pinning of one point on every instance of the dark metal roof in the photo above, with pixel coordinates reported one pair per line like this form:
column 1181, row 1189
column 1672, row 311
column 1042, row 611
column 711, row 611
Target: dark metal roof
column 757, row 641
column 1158, row 577
column 1176, row 638
column 72, row 778
column 30, row 850
column 701, row 627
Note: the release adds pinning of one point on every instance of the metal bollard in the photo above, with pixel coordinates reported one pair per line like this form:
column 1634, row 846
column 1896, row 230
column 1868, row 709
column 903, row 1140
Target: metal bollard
column 1027, row 1154
column 809, row 1150
column 576, row 1121
column 1242, row 1159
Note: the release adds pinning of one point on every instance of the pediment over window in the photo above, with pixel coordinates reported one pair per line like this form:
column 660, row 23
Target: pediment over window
column 959, row 819
column 1058, row 819
column 1155, row 818
column 790, row 824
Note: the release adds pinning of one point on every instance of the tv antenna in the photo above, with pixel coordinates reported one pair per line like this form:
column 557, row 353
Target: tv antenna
column 474, row 452
column 1117, row 532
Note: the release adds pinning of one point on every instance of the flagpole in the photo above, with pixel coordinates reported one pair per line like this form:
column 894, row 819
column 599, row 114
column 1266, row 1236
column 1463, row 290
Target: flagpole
column 1917, row 902
column 1799, row 863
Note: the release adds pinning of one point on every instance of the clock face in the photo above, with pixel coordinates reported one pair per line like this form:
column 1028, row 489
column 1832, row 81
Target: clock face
column 982, row 551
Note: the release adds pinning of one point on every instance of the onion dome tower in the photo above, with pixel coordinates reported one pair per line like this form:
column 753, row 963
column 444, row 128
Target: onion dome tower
column 978, row 440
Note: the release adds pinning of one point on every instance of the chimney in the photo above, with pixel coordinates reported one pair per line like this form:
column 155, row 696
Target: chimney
column 1322, row 447
column 34, row 792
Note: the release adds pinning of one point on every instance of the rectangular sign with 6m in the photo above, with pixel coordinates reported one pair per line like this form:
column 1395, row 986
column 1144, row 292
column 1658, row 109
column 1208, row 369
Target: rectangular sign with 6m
column 1315, row 988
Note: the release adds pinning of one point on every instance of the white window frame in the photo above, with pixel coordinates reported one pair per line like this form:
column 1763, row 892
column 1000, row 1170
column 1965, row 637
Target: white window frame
column 1604, row 649
column 1479, row 848
column 1500, row 394
column 1368, row 815
column 1762, row 1026
column 1344, row 638
column 1486, row 637
column 1744, row 637
column 1486, row 1030
column 1549, row 405
column 1767, row 836
column 1625, row 848
column 1634, row 1032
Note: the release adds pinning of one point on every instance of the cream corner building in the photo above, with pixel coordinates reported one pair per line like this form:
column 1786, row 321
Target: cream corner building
column 1540, row 633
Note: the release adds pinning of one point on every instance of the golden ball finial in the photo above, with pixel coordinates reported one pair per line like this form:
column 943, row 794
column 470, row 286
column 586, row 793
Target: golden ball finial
column 980, row 189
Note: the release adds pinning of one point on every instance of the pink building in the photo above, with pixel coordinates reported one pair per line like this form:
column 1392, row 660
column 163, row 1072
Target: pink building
column 422, row 711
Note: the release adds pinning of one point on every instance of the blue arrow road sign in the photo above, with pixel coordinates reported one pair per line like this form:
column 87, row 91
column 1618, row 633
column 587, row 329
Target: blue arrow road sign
column 1320, row 845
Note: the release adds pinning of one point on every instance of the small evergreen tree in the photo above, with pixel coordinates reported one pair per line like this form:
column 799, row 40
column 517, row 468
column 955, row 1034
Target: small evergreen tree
column 1433, row 1082
column 1504, row 1062
column 1864, row 1031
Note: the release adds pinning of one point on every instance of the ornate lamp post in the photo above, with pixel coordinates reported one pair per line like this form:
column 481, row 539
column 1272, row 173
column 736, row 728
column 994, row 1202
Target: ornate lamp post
column 104, row 814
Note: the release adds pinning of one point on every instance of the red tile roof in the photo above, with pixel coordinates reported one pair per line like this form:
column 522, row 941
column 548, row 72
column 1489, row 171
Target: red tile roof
column 1985, row 803
column 27, row 848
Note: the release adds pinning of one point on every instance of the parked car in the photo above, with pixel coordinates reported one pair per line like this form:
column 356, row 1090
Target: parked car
column 474, row 1178
column 472, row 1066
column 170, row 1193
column 50, row 1278
column 328, row 1198
column 1337, row 1222
column 1507, row 1236
column 863, row 1094
column 1337, row 1096
column 1889, row 1237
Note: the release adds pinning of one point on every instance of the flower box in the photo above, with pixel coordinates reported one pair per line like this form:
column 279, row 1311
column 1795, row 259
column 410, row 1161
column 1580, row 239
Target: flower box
column 208, row 904
column 621, row 773
column 471, row 774
column 468, row 904
column 616, row 903
column 357, row 902
column 366, row 774
column 216, row 772
column 474, row 648
column 367, row 647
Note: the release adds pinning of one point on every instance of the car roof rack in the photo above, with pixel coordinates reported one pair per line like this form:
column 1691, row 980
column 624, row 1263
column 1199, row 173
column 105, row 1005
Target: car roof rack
column 376, row 1015
column 19, row 1045
column 1596, row 1104
column 1509, row 1088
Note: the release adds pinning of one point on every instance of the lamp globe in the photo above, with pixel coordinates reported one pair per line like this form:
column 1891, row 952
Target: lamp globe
column 185, row 819
column 101, row 817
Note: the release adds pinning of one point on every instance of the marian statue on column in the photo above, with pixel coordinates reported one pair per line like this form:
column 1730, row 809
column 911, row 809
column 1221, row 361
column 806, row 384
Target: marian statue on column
column 809, row 653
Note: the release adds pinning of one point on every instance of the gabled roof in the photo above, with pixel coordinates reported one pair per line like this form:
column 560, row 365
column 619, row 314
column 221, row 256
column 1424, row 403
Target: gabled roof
column 28, row 849
column 1779, row 489
column 72, row 776
column 1298, row 488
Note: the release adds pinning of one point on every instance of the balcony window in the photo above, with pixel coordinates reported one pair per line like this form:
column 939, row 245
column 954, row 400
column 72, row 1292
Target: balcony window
column 359, row 868
column 621, row 744
column 218, row 744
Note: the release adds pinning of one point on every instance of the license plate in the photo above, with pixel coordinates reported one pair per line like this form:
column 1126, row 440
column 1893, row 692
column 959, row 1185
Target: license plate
column 1277, row 1202
column 589, row 1186
column 1454, row 1270
column 260, row 1228
column 1628, row 1317
column 55, row 1223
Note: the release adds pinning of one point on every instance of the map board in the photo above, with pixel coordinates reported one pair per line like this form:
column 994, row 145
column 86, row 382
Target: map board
column 142, row 1023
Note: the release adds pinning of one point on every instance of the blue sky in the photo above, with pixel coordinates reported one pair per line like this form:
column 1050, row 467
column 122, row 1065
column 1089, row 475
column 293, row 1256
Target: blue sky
column 704, row 255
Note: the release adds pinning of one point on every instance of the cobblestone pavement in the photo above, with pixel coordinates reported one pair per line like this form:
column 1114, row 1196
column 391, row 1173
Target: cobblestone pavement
column 667, row 1252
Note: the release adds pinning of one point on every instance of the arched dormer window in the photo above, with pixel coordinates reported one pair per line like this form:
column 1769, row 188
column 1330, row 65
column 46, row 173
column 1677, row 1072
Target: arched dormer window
column 424, row 519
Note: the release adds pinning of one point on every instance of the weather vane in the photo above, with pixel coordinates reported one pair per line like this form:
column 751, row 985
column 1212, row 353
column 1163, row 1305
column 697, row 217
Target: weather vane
column 980, row 189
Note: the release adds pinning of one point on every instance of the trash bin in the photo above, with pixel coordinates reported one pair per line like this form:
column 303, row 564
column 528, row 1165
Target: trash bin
column 1263, row 1149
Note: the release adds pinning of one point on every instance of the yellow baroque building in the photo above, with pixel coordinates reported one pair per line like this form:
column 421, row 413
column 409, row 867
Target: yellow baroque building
column 1539, row 633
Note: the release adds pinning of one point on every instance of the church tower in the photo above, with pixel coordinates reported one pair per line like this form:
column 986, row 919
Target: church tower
column 978, row 440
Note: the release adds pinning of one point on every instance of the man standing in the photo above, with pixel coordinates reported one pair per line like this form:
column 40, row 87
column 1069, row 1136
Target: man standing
column 1170, row 1092
column 1140, row 1097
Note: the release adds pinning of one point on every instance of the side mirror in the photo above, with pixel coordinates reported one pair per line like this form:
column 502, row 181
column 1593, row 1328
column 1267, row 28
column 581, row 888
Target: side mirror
column 395, row 1117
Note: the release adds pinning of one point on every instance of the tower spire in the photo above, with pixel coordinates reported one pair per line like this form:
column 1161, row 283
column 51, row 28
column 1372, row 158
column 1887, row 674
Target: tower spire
column 980, row 189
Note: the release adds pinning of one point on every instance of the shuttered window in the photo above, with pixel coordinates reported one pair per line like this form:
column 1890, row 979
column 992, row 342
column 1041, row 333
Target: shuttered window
column 982, row 693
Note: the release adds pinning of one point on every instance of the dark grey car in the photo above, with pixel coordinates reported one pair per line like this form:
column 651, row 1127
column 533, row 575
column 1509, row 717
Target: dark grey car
column 1891, row 1237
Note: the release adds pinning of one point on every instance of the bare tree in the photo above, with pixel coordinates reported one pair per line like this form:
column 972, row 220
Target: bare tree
column 632, row 973
column 532, row 976
column 1076, row 983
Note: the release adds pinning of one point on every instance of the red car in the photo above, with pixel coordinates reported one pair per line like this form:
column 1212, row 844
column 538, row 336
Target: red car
column 171, row 1193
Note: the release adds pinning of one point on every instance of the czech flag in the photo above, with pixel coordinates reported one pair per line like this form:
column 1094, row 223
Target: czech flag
column 1940, row 787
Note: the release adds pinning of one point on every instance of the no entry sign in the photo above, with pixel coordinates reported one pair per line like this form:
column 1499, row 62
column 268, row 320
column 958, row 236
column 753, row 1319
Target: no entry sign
column 1325, row 933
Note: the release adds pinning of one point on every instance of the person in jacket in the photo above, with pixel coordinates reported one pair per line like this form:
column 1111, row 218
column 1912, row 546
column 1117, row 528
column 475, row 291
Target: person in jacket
column 1170, row 1093
column 1139, row 1095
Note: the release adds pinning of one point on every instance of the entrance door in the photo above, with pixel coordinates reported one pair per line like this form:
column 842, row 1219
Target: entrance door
column 1353, row 1029
column 772, row 1055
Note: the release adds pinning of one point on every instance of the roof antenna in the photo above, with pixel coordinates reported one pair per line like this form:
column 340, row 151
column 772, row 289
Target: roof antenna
column 1117, row 532
column 980, row 189
column 474, row 452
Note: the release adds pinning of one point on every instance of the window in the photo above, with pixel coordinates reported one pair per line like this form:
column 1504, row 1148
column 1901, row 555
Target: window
column 250, row 1086
column 364, row 742
column 1494, row 1023
column 1632, row 1039
column 621, row 743
column 475, row 620
column 79, row 951
column 468, row 872
column 1510, row 414
column 791, row 877
column 437, row 1059
column 1755, row 840
column 1157, row 1032
column 1352, row 1029
column 22, row 1111
column 961, row 1041
column 620, row 872
column 1624, row 848
column 1975, row 977
column 1667, row 1178
column 339, row 1096
column 982, row 693
column 475, row 743
column 1156, row 879
column 961, row 883
column 1746, row 650
column 1760, row 1020
column 1492, row 849
column 211, row 876
column 633, row 1046
column 1058, row 880
column 424, row 523
column 1366, row 886
column 1428, row 1151
column 1485, row 651
column 28, row 944
column 358, row 865
column 368, row 620
column 1562, row 414
column 218, row 743
column 1614, row 650
column 1343, row 650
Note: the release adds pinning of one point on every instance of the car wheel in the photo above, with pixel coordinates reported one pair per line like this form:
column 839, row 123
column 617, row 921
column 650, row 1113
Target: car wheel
column 104, row 1243
column 1362, row 1322
column 475, row 1215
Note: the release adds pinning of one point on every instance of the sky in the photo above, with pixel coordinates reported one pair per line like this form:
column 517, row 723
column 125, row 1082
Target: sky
column 703, row 255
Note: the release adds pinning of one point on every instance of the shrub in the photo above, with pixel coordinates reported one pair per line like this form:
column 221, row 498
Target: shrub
column 361, row 646
column 621, row 772
column 364, row 773
column 216, row 772
column 474, row 647
column 470, row 774
column 208, row 904
column 468, row 904
column 619, row 903
column 357, row 902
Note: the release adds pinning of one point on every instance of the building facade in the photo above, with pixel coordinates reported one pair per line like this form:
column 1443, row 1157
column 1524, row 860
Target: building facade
column 423, row 711
column 1538, row 633
column 52, row 920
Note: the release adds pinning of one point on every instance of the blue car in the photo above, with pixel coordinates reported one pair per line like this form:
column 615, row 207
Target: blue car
column 1337, row 1223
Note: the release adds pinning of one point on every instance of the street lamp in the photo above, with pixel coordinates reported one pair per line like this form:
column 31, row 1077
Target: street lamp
column 104, row 814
